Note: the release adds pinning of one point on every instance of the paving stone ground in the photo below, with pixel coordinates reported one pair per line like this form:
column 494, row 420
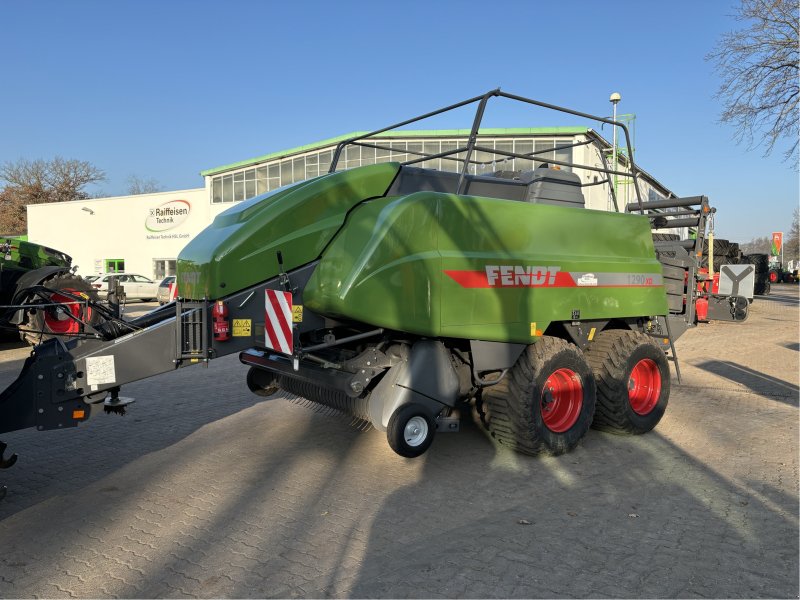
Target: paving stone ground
column 204, row 490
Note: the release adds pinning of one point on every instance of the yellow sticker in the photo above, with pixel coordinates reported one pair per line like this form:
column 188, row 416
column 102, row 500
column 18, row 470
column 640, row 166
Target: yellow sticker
column 591, row 333
column 533, row 329
column 242, row 327
column 297, row 313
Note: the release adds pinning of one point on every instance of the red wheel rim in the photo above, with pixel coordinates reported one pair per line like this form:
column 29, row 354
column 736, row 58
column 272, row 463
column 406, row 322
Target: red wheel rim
column 773, row 277
column 644, row 386
column 58, row 323
column 562, row 400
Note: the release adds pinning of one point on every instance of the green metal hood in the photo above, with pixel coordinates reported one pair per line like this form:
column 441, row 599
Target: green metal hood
column 240, row 247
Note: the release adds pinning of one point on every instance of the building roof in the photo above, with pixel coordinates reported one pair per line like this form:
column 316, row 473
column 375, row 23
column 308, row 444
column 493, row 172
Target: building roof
column 397, row 133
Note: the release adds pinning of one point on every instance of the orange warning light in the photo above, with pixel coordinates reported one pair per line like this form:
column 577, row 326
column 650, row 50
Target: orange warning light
column 78, row 414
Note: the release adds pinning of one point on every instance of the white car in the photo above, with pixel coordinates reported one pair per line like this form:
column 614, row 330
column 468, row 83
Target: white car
column 137, row 287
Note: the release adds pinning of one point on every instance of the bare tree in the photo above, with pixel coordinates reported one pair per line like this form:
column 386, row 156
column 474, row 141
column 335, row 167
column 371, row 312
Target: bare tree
column 791, row 247
column 140, row 185
column 759, row 245
column 759, row 70
column 34, row 182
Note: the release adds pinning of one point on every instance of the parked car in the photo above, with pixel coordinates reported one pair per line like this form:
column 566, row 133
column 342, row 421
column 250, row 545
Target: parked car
column 137, row 287
column 167, row 289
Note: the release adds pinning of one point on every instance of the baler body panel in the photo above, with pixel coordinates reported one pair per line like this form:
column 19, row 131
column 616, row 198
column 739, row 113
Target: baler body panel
column 240, row 248
column 442, row 265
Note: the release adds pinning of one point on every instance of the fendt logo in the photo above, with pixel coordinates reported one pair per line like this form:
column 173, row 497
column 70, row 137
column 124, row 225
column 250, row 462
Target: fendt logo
column 168, row 215
column 511, row 276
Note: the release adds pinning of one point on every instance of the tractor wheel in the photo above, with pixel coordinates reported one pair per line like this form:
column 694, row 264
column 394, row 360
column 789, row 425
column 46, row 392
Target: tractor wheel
column 410, row 431
column 49, row 322
column 666, row 237
column 545, row 403
column 632, row 381
column 261, row 383
column 774, row 276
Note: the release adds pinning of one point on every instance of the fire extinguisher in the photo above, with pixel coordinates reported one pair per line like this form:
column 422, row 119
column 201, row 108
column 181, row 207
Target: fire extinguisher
column 221, row 326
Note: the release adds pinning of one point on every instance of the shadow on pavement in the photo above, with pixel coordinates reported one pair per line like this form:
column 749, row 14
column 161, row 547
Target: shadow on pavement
column 765, row 385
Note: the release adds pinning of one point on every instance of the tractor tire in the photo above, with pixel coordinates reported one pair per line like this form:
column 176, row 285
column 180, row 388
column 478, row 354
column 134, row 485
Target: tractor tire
column 43, row 324
column 761, row 262
column 633, row 381
column 666, row 237
column 545, row 403
column 720, row 247
column 774, row 276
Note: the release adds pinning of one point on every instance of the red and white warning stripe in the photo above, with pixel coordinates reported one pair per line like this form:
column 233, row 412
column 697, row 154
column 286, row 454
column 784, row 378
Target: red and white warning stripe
column 278, row 321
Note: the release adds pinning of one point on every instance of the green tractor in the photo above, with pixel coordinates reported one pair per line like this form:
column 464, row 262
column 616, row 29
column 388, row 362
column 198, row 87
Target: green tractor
column 40, row 296
column 403, row 296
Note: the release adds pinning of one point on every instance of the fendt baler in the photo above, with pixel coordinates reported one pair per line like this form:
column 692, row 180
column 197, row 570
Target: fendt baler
column 399, row 295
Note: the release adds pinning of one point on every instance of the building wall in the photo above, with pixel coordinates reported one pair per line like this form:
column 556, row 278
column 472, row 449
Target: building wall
column 137, row 229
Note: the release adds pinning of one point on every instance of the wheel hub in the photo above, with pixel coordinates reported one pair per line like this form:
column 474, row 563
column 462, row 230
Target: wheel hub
column 59, row 319
column 415, row 431
column 562, row 400
column 644, row 386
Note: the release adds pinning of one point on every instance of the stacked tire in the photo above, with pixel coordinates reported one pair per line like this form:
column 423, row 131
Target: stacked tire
column 725, row 253
column 761, row 263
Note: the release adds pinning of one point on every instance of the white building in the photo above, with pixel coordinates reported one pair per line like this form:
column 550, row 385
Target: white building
column 144, row 233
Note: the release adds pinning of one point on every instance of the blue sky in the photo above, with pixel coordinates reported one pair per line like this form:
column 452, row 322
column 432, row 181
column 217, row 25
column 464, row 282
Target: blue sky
column 164, row 89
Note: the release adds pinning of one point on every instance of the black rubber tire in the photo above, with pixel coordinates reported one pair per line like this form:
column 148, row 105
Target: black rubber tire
column 613, row 355
column 395, row 431
column 511, row 410
column 721, row 247
column 35, row 318
column 261, row 383
column 761, row 262
column 666, row 237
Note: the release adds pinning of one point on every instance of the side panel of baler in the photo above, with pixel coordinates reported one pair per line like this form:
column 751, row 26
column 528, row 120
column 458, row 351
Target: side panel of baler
column 479, row 268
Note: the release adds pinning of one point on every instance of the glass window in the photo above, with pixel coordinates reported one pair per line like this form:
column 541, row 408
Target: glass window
column 298, row 169
column 238, row 186
column 523, row 147
column 431, row 147
column 398, row 151
column 504, row 163
column 447, row 164
column 286, row 172
column 353, row 159
column 312, row 166
column 542, row 157
column 325, row 159
column 382, row 155
column 563, row 154
column 227, row 188
column 367, row 156
column 485, row 159
column 216, row 189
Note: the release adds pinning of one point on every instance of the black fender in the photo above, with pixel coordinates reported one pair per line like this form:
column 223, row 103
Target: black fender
column 31, row 278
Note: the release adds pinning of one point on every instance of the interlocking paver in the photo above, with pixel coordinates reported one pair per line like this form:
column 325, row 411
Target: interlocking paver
column 205, row 490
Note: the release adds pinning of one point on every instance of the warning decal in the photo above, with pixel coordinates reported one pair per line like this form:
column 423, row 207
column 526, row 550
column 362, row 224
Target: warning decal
column 242, row 327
